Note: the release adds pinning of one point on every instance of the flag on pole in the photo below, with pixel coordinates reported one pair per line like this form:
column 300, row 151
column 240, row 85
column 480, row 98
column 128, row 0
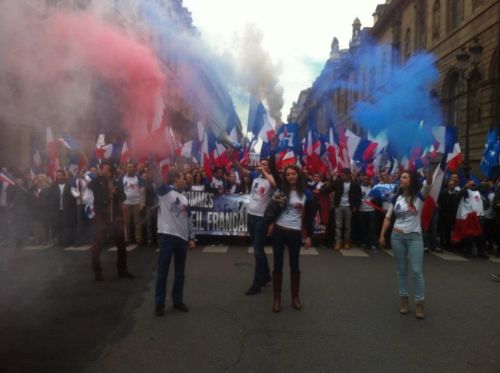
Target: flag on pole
column 51, row 152
column 452, row 149
column 103, row 150
column 490, row 161
column 431, row 202
column 7, row 178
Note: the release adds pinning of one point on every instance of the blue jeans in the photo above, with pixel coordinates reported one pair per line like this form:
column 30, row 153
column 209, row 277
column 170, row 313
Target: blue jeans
column 409, row 246
column 178, row 247
column 290, row 238
column 258, row 233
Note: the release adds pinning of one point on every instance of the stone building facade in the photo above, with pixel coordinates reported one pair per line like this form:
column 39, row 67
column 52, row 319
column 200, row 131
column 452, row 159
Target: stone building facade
column 464, row 36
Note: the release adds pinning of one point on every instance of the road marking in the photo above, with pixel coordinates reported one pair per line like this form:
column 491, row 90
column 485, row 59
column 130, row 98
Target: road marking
column 354, row 252
column 78, row 248
column 450, row 256
column 213, row 249
column 494, row 260
column 37, row 248
column 129, row 248
column 268, row 250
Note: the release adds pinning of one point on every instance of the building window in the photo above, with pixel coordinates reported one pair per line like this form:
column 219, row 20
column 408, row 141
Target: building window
column 436, row 20
column 420, row 26
column 456, row 13
column 407, row 43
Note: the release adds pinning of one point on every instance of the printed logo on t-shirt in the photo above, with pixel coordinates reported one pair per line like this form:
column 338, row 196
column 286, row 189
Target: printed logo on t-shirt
column 405, row 211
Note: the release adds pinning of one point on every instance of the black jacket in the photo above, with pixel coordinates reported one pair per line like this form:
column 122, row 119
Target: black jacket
column 337, row 187
column 448, row 203
column 69, row 202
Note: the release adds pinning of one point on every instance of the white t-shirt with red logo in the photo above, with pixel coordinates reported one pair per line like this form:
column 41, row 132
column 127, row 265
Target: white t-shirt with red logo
column 291, row 217
column 260, row 196
column 131, row 187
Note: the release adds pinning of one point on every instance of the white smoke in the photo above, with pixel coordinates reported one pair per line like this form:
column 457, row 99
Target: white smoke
column 258, row 74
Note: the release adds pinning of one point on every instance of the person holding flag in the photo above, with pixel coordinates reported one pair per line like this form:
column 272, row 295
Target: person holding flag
column 108, row 195
column 263, row 182
column 406, row 238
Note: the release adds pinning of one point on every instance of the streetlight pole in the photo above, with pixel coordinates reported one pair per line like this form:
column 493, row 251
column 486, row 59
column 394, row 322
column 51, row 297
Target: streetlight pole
column 467, row 65
column 463, row 60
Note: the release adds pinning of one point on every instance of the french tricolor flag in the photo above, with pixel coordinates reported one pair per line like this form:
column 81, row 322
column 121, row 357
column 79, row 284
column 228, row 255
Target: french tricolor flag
column 454, row 159
column 451, row 160
column 286, row 158
column 7, row 178
column 431, row 202
column 185, row 150
column 103, row 150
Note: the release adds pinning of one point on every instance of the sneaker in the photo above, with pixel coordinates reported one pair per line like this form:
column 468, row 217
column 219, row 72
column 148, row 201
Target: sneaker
column 374, row 249
column 160, row 310
column 495, row 277
column 181, row 307
column 252, row 291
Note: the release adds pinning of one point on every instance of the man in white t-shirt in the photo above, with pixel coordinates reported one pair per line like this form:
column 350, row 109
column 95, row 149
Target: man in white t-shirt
column 133, row 187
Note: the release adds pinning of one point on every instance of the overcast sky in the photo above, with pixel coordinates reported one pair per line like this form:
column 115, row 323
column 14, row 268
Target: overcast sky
column 297, row 33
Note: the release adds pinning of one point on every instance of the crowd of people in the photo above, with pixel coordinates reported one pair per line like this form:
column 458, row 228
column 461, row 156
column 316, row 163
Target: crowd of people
column 133, row 203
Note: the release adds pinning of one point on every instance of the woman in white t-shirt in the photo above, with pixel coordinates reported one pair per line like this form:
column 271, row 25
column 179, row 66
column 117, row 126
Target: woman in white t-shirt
column 287, row 231
column 406, row 238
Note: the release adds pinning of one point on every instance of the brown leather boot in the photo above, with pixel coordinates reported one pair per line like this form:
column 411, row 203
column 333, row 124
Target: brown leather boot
column 295, row 282
column 420, row 310
column 347, row 245
column 277, row 281
column 337, row 246
column 404, row 305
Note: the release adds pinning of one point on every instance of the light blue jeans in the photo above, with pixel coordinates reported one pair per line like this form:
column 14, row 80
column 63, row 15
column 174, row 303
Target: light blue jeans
column 409, row 247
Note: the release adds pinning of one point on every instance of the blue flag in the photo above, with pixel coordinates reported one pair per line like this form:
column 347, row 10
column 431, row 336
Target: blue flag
column 490, row 161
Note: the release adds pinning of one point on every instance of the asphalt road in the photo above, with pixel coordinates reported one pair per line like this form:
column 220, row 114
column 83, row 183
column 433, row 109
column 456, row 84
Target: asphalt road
column 55, row 318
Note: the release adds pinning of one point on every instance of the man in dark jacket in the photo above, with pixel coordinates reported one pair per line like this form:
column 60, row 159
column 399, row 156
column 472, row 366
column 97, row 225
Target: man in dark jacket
column 346, row 199
column 448, row 201
column 62, row 209
column 108, row 219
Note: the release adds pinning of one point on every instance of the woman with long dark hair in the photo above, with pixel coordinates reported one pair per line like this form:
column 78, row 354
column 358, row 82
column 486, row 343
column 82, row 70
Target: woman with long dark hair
column 406, row 239
column 287, row 231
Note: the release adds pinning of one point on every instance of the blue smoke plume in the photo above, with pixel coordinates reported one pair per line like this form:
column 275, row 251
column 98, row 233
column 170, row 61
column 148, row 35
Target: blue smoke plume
column 404, row 106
